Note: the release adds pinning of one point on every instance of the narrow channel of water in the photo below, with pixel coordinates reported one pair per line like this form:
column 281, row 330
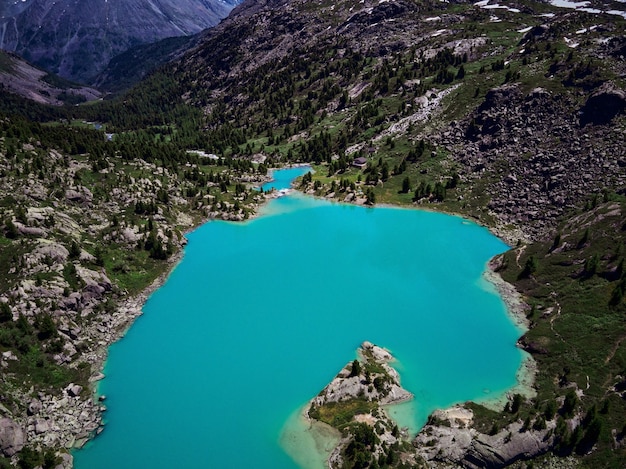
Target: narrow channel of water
column 260, row 316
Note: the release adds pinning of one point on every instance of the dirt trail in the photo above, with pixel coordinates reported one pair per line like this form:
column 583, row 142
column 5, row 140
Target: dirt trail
column 611, row 354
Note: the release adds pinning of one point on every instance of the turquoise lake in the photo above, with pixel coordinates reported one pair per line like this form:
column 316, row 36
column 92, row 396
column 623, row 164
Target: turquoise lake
column 260, row 316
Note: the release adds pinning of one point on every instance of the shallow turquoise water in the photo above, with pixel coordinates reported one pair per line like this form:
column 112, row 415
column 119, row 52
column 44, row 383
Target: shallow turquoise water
column 281, row 179
column 260, row 315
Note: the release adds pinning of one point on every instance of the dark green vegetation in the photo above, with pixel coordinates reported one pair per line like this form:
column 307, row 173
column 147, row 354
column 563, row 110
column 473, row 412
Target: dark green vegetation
column 448, row 110
column 575, row 286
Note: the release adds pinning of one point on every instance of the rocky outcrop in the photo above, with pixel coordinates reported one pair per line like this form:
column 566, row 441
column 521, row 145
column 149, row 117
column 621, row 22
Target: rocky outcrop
column 603, row 105
column 384, row 388
column 506, row 447
column 450, row 438
column 64, row 421
column 79, row 195
column 369, row 379
column 12, row 437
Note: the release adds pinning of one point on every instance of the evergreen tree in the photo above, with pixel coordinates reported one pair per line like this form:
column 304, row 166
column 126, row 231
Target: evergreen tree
column 356, row 368
column 406, row 185
column 10, row 230
column 5, row 312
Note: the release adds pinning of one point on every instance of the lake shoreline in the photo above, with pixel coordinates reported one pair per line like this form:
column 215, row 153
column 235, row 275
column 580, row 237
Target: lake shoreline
column 129, row 310
column 137, row 302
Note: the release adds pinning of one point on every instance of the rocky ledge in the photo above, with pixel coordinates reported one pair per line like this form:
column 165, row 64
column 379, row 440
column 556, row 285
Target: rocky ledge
column 449, row 439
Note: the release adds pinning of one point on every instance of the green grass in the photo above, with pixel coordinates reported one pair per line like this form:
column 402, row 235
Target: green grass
column 574, row 322
column 132, row 270
column 340, row 414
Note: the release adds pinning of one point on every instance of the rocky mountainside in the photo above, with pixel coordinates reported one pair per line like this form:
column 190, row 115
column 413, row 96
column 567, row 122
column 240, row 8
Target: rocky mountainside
column 527, row 89
column 19, row 77
column 76, row 39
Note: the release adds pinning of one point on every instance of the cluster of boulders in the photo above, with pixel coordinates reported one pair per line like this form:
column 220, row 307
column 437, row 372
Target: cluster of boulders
column 12, row 437
column 536, row 157
column 62, row 421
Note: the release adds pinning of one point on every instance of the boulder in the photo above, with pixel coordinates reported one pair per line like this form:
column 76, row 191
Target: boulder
column 41, row 426
column 535, row 33
column 12, row 437
column 30, row 230
column 73, row 390
column 80, row 195
column 603, row 105
column 67, row 461
column 34, row 407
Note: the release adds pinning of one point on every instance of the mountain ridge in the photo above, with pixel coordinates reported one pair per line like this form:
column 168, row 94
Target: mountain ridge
column 76, row 40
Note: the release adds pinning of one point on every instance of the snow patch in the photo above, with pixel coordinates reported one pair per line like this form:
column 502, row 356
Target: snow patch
column 583, row 6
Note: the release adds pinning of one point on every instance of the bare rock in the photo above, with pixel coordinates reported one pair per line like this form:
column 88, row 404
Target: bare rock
column 67, row 461
column 73, row 390
column 12, row 437
column 96, row 283
column 508, row 446
column 34, row 407
column 41, row 426
column 80, row 195
column 603, row 105
column 450, row 438
column 30, row 230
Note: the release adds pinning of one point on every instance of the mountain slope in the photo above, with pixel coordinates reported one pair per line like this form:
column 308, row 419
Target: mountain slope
column 129, row 67
column 76, row 39
column 19, row 77
column 287, row 72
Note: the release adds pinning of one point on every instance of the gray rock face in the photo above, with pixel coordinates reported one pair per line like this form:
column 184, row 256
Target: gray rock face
column 507, row 447
column 456, row 442
column 73, row 390
column 77, row 38
column 41, row 426
column 12, row 438
column 80, row 195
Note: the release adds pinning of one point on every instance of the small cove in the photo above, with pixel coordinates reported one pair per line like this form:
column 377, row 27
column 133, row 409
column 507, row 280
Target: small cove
column 260, row 315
